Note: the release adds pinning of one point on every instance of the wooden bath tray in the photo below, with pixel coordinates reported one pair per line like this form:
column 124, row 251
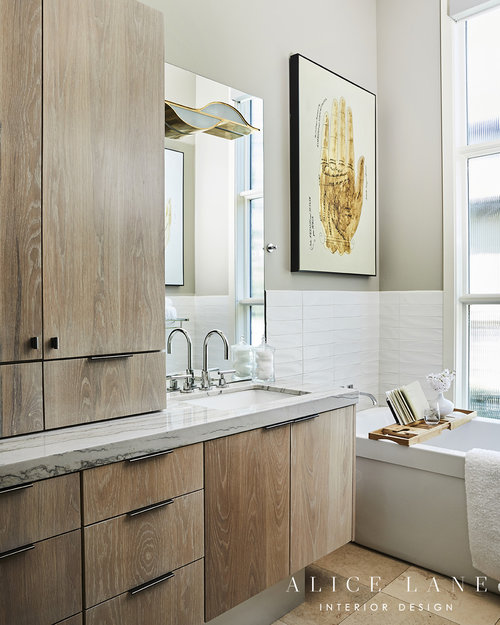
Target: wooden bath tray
column 419, row 431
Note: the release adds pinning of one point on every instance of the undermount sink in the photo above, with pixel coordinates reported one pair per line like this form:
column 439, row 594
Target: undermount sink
column 235, row 399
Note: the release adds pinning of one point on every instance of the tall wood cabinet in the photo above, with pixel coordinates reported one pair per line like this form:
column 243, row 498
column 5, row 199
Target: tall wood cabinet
column 81, row 205
column 276, row 499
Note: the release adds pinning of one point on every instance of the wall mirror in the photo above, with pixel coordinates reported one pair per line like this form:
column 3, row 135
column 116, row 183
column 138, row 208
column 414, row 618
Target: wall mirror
column 214, row 209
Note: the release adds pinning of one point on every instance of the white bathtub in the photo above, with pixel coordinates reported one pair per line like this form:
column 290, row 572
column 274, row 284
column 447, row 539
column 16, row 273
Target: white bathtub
column 410, row 501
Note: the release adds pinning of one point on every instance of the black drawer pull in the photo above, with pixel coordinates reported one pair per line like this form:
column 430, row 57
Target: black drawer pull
column 154, row 506
column 35, row 342
column 308, row 418
column 11, row 489
column 113, row 357
column 54, row 342
column 153, row 455
column 277, row 425
column 153, row 582
column 14, row 552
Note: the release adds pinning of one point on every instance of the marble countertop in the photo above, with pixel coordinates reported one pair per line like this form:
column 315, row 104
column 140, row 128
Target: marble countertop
column 55, row 452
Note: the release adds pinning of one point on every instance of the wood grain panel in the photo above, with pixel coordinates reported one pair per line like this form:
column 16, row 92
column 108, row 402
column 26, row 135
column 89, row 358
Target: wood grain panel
column 82, row 390
column 124, row 486
column 74, row 620
column 178, row 601
column 247, row 483
column 124, row 552
column 47, row 508
column 103, row 178
column 42, row 586
column 322, row 473
column 21, row 398
column 20, row 178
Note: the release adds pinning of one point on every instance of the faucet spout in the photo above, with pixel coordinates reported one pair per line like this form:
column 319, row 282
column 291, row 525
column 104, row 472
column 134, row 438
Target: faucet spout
column 189, row 346
column 205, row 375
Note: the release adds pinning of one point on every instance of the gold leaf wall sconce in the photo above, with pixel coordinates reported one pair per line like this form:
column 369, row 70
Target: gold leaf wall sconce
column 216, row 118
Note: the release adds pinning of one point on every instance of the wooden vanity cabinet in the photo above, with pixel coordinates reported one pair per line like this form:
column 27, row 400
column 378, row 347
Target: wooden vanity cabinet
column 321, row 486
column 20, row 180
column 103, row 178
column 40, row 552
column 89, row 185
column 275, row 500
column 247, row 515
column 144, row 540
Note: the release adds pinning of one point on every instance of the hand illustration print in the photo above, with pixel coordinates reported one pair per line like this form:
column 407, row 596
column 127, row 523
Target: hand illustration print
column 341, row 195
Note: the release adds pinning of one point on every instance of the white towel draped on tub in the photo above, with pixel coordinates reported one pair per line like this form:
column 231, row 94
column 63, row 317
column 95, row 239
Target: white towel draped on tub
column 482, row 487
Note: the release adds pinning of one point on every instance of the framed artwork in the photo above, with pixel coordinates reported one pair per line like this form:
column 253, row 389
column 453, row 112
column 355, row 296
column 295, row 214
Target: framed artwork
column 332, row 172
column 174, row 218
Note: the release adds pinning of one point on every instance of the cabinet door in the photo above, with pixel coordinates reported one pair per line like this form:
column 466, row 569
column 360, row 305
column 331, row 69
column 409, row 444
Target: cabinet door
column 42, row 585
column 21, row 398
column 247, row 495
column 20, row 190
column 322, row 473
column 103, row 198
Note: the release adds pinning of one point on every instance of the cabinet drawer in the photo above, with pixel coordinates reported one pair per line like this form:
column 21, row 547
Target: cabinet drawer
column 118, row 488
column 178, row 600
column 127, row 551
column 43, row 585
column 84, row 390
column 21, row 400
column 29, row 513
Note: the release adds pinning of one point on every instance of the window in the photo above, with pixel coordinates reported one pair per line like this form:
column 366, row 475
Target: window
column 250, row 225
column 477, row 212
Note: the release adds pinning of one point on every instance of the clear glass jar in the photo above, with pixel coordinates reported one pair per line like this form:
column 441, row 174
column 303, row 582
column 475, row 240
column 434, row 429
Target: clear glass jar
column 264, row 363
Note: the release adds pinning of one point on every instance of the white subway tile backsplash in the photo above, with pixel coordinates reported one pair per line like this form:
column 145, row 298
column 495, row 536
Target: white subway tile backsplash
column 287, row 369
column 421, row 297
column 284, row 313
column 317, row 338
column 280, row 328
column 285, row 341
column 374, row 340
column 318, row 325
column 316, row 312
column 318, row 298
column 284, row 298
column 318, row 351
column 318, row 364
column 282, row 356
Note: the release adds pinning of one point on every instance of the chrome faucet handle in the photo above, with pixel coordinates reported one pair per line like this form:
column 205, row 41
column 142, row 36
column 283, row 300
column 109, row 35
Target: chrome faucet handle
column 188, row 377
column 173, row 383
column 222, row 379
column 206, row 379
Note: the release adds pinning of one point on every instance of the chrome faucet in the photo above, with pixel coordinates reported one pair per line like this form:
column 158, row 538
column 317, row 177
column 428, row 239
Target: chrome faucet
column 189, row 377
column 369, row 395
column 205, row 372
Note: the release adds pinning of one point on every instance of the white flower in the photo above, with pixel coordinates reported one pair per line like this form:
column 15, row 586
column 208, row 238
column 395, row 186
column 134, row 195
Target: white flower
column 441, row 382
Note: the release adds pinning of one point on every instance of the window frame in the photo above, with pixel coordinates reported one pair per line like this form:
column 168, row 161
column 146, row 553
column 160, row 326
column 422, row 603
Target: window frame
column 244, row 195
column 456, row 153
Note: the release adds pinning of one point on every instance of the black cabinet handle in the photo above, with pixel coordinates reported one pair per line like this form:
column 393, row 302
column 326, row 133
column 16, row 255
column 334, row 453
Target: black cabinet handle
column 308, row 418
column 277, row 425
column 153, row 455
column 282, row 423
column 35, row 342
column 14, row 552
column 54, row 342
column 11, row 489
column 113, row 357
column 153, row 582
column 154, row 506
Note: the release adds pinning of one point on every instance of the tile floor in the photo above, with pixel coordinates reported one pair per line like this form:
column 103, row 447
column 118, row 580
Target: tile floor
column 404, row 595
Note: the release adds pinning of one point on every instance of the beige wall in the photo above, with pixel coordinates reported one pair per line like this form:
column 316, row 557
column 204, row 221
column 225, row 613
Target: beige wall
column 247, row 46
column 409, row 145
